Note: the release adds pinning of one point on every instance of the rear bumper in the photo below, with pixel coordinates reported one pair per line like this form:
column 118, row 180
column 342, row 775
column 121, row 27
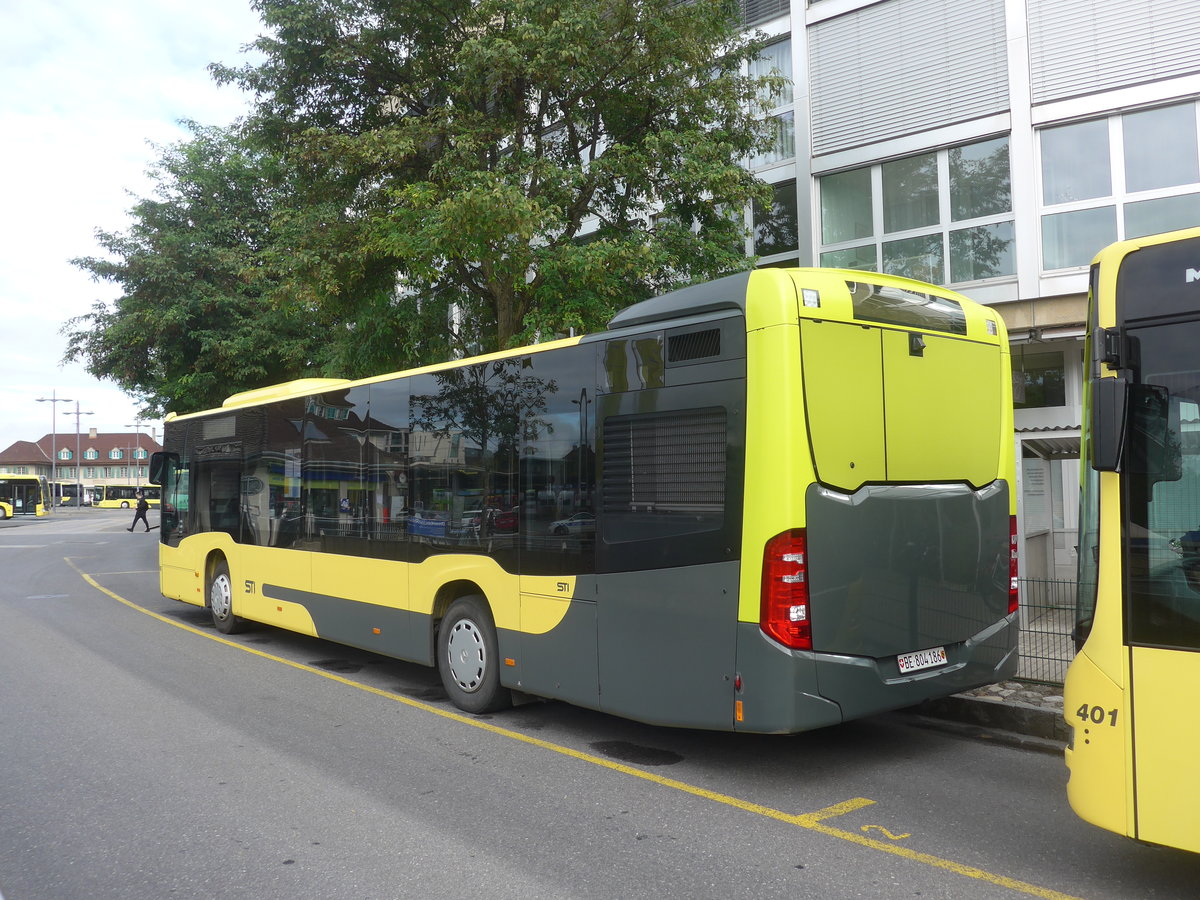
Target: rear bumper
column 793, row 690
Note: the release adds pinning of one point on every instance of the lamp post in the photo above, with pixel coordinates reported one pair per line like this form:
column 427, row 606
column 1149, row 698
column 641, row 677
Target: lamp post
column 78, row 458
column 52, row 399
column 137, row 450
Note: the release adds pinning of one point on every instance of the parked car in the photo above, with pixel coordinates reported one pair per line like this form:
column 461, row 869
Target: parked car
column 580, row 523
column 508, row 521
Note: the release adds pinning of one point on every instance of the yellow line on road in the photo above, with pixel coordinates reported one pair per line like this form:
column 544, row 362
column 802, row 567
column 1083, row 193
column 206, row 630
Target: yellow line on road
column 812, row 821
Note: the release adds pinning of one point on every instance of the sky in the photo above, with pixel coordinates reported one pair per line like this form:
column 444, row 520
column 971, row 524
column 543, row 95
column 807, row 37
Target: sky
column 87, row 89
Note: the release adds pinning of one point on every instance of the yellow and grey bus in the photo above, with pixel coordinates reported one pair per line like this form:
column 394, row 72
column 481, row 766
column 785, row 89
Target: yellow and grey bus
column 1129, row 689
column 769, row 503
column 66, row 493
column 23, row 495
column 123, row 496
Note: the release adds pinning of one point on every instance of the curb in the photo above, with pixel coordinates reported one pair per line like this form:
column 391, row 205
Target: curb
column 1021, row 723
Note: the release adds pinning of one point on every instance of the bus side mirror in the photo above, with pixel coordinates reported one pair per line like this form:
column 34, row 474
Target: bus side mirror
column 1110, row 402
column 159, row 462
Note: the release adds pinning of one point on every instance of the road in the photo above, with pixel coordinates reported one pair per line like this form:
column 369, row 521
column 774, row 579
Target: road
column 147, row 756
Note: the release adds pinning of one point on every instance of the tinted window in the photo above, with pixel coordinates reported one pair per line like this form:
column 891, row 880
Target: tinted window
column 554, row 405
column 1162, row 490
column 896, row 306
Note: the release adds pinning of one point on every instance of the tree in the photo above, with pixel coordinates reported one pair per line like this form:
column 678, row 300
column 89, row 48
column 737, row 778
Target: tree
column 193, row 324
column 534, row 165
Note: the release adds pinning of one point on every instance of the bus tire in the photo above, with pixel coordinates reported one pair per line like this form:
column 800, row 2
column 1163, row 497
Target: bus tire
column 3, row 513
column 468, row 658
column 124, row 504
column 220, row 600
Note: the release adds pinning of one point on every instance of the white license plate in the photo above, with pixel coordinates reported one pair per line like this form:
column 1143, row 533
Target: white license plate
column 922, row 659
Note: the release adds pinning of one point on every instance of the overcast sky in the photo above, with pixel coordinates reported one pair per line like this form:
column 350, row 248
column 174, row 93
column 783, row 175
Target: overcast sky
column 85, row 87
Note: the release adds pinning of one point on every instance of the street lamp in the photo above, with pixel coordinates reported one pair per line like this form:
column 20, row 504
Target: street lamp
column 52, row 399
column 78, row 458
column 137, row 450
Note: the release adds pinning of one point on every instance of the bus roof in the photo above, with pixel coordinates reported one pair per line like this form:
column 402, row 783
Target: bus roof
column 731, row 294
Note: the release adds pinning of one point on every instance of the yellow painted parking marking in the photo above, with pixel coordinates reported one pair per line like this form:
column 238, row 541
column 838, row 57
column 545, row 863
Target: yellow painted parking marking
column 812, row 821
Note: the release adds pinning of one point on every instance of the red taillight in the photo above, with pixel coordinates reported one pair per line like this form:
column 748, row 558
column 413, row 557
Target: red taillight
column 1013, row 596
column 785, row 609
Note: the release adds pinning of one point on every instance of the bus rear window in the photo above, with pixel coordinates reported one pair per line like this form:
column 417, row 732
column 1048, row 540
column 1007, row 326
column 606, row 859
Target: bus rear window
column 911, row 309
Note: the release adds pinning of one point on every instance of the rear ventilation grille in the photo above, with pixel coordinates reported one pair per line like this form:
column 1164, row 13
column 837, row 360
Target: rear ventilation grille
column 694, row 345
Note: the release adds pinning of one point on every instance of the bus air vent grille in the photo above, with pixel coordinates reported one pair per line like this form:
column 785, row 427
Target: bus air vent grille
column 694, row 345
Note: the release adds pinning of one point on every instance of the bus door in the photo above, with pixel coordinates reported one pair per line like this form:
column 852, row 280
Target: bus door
column 1162, row 572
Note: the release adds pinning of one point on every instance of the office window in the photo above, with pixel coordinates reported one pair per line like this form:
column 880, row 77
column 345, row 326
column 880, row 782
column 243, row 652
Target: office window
column 1093, row 195
column 776, row 59
column 777, row 230
column 943, row 216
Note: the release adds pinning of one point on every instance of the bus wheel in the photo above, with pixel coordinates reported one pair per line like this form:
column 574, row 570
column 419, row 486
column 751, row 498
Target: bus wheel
column 220, row 600
column 124, row 504
column 468, row 659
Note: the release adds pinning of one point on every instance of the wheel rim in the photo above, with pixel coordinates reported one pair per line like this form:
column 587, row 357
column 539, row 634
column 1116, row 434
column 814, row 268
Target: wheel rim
column 466, row 655
column 220, row 596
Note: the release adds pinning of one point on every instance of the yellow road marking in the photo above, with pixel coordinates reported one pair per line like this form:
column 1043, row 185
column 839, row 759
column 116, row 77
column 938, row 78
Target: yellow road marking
column 887, row 834
column 812, row 821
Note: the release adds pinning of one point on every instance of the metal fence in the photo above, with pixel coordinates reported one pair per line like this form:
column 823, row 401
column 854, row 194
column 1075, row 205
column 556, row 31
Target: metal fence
column 1046, row 619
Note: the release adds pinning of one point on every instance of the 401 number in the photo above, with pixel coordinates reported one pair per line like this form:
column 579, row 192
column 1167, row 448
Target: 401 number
column 1097, row 715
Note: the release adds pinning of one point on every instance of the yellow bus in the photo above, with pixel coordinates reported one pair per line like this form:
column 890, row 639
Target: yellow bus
column 1128, row 691
column 123, row 496
column 23, row 495
column 769, row 503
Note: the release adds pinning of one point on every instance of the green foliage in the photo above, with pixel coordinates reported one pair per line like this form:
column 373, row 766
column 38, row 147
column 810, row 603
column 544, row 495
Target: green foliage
column 192, row 325
column 537, row 164
column 424, row 179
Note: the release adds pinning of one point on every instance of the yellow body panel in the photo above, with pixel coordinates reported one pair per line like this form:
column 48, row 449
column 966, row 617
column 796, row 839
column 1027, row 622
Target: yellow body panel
column 545, row 600
column 1166, row 734
column 962, row 383
column 775, row 431
column 843, row 396
column 1100, row 786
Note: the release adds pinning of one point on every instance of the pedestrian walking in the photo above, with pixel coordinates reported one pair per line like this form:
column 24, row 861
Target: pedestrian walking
column 142, row 507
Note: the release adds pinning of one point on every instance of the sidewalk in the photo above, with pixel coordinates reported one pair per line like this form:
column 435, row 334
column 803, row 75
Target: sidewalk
column 1013, row 712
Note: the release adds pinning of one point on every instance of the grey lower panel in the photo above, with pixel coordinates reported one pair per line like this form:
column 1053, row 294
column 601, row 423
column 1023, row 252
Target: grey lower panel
column 402, row 633
column 779, row 686
column 895, row 568
column 790, row 690
column 865, row 686
column 666, row 643
column 560, row 664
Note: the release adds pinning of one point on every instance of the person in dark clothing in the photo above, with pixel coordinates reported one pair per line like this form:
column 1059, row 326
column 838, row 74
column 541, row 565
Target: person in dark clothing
column 142, row 507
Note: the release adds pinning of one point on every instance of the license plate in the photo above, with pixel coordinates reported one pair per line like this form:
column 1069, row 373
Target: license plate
column 922, row 659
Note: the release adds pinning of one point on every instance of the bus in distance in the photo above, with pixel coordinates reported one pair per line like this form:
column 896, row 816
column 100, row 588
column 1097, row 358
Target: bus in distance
column 123, row 496
column 23, row 495
column 1129, row 689
column 66, row 493
column 770, row 503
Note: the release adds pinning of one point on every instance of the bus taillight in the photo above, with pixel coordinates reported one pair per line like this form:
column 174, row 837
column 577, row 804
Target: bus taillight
column 1013, row 595
column 784, row 611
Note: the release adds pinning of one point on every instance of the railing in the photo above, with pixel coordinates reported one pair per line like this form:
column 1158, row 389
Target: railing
column 1046, row 619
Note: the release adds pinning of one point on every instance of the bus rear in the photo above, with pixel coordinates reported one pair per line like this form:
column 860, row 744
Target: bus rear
column 879, row 541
